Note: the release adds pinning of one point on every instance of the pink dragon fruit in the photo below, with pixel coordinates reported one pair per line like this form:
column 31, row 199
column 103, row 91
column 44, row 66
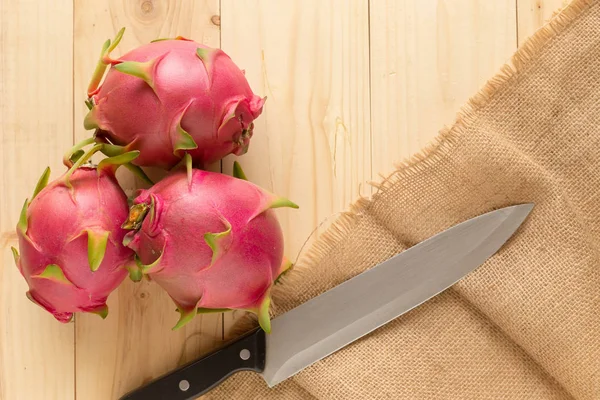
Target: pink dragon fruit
column 212, row 242
column 70, row 238
column 171, row 97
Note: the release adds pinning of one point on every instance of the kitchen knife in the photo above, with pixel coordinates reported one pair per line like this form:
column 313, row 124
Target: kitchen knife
column 332, row 320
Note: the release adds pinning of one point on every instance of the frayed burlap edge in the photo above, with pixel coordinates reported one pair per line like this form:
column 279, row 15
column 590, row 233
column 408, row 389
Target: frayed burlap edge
column 440, row 147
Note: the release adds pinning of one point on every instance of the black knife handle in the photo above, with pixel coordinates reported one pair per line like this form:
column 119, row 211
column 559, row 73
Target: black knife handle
column 198, row 377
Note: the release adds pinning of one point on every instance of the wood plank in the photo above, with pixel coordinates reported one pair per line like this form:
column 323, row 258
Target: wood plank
column 427, row 59
column 532, row 14
column 312, row 142
column 135, row 343
column 36, row 127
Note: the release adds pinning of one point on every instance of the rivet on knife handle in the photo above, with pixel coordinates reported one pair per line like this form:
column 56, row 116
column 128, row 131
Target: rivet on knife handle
column 196, row 378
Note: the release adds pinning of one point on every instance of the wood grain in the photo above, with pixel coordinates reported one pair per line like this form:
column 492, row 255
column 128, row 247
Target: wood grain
column 427, row 58
column 312, row 144
column 532, row 14
column 36, row 351
column 352, row 86
column 135, row 343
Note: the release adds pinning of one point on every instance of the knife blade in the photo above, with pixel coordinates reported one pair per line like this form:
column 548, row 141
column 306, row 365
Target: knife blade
column 347, row 312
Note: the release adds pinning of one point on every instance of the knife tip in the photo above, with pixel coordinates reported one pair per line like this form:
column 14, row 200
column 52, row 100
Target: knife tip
column 520, row 212
column 528, row 207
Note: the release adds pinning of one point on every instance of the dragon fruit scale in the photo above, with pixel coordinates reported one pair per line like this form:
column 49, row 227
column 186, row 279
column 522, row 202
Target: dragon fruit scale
column 170, row 97
column 213, row 243
column 70, row 238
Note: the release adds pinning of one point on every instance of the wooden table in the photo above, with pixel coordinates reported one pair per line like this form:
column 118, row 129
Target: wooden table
column 353, row 86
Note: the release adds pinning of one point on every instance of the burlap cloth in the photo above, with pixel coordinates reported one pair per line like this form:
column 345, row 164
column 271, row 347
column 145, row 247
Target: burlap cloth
column 526, row 324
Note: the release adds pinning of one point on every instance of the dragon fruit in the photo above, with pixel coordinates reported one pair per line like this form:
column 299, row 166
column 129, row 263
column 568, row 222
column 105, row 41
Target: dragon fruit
column 70, row 238
column 171, row 97
column 212, row 242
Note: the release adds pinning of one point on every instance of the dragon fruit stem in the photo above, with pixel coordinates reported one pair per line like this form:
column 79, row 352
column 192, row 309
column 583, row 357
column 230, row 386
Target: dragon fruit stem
column 98, row 71
column 264, row 318
column 86, row 156
column 101, row 311
column 42, row 182
column 274, row 202
column 135, row 273
column 91, row 120
column 76, row 156
column 186, row 316
column 112, row 163
column 143, row 70
column 113, row 46
column 54, row 273
column 262, row 311
column 146, row 268
column 69, row 154
column 218, row 241
column 111, row 150
column 97, row 241
column 188, row 166
column 207, row 57
column 103, row 62
column 140, row 70
column 16, row 256
column 183, row 163
column 137, row 171
column 283, row 202
column 286, row 266
column 238, row 172
column 22, row 224
column 182, row 140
